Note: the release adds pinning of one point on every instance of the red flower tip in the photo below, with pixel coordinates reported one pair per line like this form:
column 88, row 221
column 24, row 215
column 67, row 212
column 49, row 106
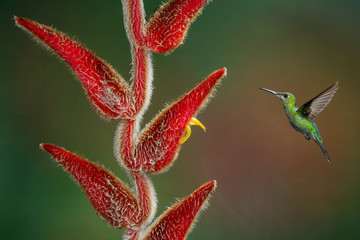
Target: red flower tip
column 160, row 141
column 107, row 91
column 168, row 26
column 111, row 198
column 176, row 223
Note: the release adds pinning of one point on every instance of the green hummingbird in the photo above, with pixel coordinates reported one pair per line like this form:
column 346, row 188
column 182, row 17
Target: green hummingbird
column 301, row 119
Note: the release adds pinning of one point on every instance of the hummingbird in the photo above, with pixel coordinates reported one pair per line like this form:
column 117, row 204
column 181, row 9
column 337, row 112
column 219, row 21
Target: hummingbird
column 301, row 119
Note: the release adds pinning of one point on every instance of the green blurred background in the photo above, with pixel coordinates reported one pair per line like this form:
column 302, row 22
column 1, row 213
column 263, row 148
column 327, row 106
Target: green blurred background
column 272, row 183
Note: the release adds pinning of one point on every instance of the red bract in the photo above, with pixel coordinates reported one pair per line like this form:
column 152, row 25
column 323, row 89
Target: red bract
column 159, row 143
column 175, row 223
column 167, row 27
column 111, row 198
column 108, row 93
column 155, row 147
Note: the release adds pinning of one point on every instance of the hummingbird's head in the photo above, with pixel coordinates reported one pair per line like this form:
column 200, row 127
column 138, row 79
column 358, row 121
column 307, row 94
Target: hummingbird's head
column 285, row 98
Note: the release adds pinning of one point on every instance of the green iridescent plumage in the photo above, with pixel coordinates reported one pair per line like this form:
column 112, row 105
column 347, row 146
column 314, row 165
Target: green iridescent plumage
column 301, row 119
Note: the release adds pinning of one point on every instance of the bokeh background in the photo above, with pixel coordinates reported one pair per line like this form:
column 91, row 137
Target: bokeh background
column 272, row 183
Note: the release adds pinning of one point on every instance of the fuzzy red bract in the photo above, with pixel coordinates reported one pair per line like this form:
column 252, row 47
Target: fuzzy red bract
column 167, row 28
column 159, row 143
column 153, row 149
column 175, row 223
column 108, row 93
column 111, row 198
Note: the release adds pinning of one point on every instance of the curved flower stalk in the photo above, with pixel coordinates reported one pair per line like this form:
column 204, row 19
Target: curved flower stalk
column 151, row 150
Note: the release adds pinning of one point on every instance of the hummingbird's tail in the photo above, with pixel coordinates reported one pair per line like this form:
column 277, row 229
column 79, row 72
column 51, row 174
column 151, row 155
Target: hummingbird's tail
column 319, row 142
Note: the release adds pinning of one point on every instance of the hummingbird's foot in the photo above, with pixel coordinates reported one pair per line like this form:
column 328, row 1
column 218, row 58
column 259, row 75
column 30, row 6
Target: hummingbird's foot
column 193, row 122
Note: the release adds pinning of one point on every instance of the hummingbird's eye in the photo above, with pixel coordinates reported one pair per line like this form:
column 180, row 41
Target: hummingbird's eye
column 285, row 96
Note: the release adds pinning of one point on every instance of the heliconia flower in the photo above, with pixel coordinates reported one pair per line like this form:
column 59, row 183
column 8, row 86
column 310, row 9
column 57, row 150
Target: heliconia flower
column 159, row 142
column 153, row 149
column 107, row 91
column 168, row 26
column 176, row 222
column 111, row 198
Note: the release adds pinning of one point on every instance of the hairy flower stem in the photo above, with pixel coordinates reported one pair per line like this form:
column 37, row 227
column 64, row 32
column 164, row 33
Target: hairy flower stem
column 142, row 76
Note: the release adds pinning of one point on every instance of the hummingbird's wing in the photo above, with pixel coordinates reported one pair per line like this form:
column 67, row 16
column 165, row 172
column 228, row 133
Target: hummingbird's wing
column 313, row 107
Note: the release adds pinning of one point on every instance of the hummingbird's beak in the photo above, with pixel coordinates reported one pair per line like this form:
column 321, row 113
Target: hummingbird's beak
column 270, row 91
